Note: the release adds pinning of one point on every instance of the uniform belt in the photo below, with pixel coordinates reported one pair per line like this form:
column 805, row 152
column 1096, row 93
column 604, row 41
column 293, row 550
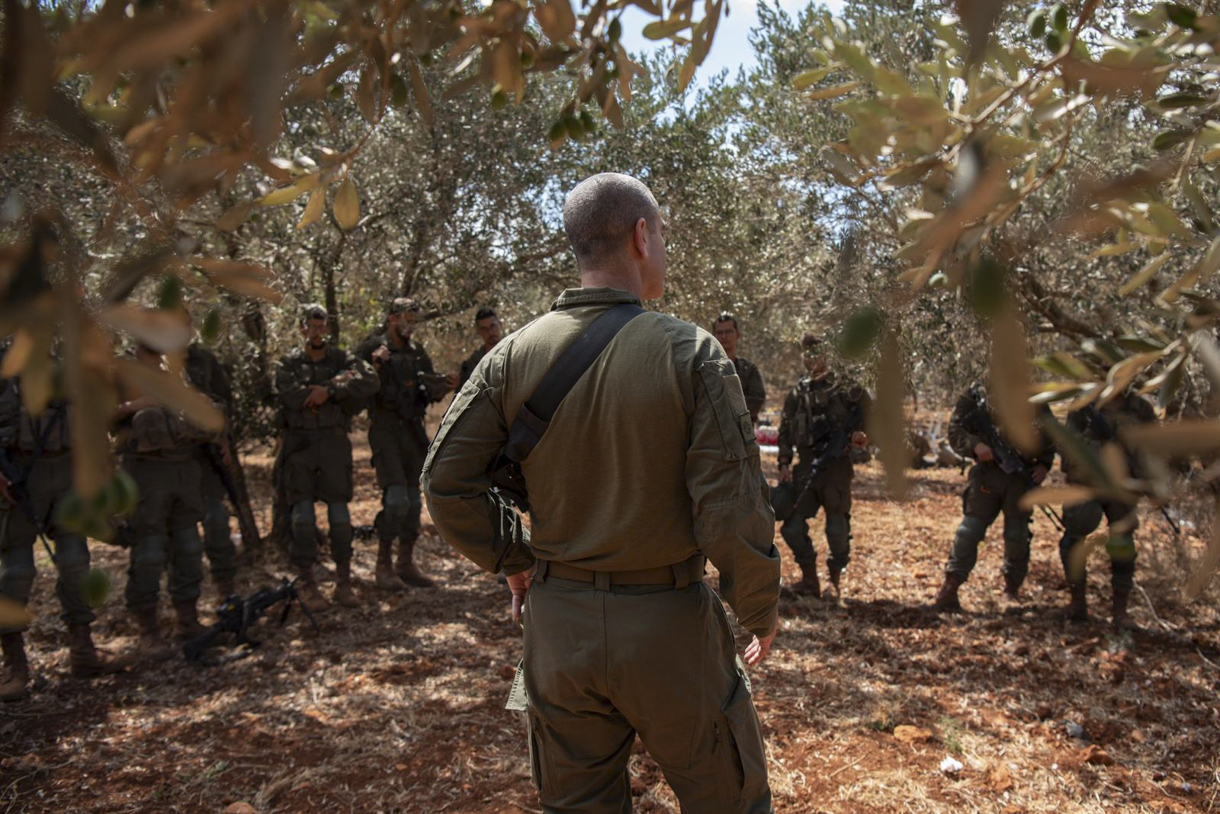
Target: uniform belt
column 679, row 575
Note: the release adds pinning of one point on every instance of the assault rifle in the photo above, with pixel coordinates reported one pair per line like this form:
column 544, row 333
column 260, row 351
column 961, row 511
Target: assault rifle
column 978, row 422
column 237, row 615
column 832, row 445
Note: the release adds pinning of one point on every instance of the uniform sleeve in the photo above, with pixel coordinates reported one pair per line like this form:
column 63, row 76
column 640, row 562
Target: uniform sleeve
column 962, row 440
column 435, row 394
column 1046, row 456
column 363, row 383
column 786, row 418
column 456, row 480
column 288, row 383
column 755, row 392
column 733, row 520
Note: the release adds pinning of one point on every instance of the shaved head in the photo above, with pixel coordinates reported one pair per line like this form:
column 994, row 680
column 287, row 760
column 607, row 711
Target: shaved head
column 600, row 215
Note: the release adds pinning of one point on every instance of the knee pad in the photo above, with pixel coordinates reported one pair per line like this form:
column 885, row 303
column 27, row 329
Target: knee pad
column 187, row 541
column 149, row 553
column 972, row 529
column 397, row 503
column 838, row 527
column 302, row 518
column 216, row 515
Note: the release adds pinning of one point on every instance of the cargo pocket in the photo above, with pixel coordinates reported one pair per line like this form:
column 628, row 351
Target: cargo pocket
column 740, row 744
column 540, row 770
column 729, row 403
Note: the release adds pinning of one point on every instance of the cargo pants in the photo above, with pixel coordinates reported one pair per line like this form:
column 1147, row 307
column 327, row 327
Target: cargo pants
column 1080, row 520
column 602, row 666
column 165, row 528
column 318, row 468
column 47, row 482
column 830, row 492
column 990, row 491
column 217, row 539
column 399, row 448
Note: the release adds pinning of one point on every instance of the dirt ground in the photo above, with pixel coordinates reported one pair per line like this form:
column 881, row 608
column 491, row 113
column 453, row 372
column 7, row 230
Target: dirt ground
column 398, row 706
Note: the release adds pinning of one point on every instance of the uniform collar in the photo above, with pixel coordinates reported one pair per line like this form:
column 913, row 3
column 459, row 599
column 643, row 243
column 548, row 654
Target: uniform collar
column 573, row 297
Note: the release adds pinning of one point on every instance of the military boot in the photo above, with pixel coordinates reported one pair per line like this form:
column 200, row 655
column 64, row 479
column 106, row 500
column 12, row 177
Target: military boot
column 808, row 584
column 1078, row 607
column 1118, row 610
column 834, row 580
column 947, row 599
column 387, row 580
column 344, row 595
column 188, row 626
column 152, row 644
column 1012, row 589
column 87, row 661
column 16, row 668
column 307, row 590
column 406, row 565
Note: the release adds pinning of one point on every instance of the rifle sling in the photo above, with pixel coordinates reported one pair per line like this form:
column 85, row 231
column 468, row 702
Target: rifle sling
column 535, row 415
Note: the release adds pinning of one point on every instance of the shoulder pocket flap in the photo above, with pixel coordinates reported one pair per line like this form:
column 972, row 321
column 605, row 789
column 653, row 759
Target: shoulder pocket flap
column 729, row 403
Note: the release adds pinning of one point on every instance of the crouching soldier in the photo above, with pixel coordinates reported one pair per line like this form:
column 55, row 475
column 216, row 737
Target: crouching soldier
column 408, row 384
column 1099, row 426
column 157, row 448
column 37, row 475
column 823, row 420
column 998, row 479
column 320, row 388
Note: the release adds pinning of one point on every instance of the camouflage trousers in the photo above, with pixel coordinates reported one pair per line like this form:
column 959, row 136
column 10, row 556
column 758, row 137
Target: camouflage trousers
column 217, row 539
column 1080, row 520
column 830, row 492
column 399, row 448
column 165, row 527
column 990, row 491
column 47, row 482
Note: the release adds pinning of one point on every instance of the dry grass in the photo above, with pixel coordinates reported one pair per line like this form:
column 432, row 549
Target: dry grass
column 398, row 706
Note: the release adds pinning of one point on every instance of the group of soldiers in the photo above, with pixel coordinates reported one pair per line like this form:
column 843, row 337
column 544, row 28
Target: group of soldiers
column 822, row 421
column 180, row 474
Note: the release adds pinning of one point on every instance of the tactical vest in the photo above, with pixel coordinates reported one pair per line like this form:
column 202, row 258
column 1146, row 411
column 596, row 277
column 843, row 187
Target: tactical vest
column 819, row 409
column 306, row 372
column 401, row 392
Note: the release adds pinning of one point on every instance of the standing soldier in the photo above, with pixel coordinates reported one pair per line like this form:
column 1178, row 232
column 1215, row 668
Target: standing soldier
column 209, row 377
column 408, row 384
column 158, row 450
column 823, row 420
column 37, row 475
column 491, row 331
column 1099, row 426
column 320, row 388
column 648, row 467
column 998, row 479
column 728, row 334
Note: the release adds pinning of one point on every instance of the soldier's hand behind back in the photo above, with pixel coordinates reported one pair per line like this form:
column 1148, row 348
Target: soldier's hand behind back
column 519, row 584
column 983, row 452
column 758, row 649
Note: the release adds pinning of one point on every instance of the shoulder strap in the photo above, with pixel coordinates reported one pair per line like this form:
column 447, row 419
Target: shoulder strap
column 535, row 415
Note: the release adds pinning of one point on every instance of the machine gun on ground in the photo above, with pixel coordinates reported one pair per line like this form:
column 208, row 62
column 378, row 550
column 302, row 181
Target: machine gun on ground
column 238, row 615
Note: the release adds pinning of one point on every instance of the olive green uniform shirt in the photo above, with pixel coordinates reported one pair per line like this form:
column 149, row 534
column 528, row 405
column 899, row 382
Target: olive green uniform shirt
column 649, row 459
column 752, row 385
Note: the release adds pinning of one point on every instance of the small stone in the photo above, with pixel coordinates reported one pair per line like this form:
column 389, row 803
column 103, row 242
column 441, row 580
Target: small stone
column 911, row 734
column 951, row 765
column 240, row 808
column 1097, row 756
column 1075, row 730
column 999, row 778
